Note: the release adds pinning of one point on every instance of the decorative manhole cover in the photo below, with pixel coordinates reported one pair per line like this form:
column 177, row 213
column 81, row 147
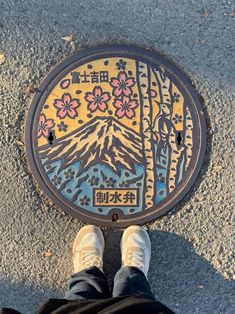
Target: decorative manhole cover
column 115, row 135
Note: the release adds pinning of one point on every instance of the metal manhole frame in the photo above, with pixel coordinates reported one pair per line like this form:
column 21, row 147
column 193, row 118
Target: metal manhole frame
column 44, row 90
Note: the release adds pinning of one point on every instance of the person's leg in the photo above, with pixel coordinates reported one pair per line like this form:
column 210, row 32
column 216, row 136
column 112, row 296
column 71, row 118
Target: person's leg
column 89, row 283
column 88, row 280
column 131, row 279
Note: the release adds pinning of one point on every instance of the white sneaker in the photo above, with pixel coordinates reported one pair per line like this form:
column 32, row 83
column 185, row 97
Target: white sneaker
column 136, row 248
column 88, row 248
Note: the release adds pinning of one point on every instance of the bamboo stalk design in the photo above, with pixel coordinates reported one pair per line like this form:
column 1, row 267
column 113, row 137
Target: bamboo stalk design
column 164, row 85
column 163, row 120
column 143, row 79
column 174, row 160
column 188, row 137
column 164, row 126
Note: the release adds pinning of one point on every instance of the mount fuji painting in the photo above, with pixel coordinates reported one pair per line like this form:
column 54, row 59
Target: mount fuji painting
column 102, row 140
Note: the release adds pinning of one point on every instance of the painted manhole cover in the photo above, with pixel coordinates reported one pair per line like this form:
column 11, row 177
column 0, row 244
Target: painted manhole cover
column 115, row 135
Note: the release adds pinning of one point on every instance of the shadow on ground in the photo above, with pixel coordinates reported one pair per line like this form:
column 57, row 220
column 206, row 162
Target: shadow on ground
column 23, row 297
column 179, row 277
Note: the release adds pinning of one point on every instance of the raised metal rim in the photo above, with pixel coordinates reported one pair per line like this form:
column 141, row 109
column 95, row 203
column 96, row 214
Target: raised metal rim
column 52, row 79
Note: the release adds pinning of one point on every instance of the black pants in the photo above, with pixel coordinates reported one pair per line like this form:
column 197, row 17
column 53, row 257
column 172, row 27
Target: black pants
column 91, row 283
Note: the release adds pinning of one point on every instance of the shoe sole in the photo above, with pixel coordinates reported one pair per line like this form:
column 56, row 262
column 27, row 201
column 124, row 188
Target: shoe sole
column 85, row 230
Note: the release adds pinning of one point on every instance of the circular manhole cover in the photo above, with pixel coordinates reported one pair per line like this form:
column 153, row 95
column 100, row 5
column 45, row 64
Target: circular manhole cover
column 115, row 135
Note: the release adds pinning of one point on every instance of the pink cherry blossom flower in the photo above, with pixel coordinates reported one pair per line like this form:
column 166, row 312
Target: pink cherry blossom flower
column 97, row 99
column 66, row 106
column 122, row 84
column 44, row 126
column 125, row 107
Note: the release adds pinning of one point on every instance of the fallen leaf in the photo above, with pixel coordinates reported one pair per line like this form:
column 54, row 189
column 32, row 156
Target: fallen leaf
column 20, row 143
column 205, row 14
column 2, row 58
column 47, row 253
column 73, row 45
column 231, row 13
column 29, row 90
column 68, row 38
column 202, row 42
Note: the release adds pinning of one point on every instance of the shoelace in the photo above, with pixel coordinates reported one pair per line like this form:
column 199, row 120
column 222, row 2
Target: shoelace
column 90, row 258
column 135, row 258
